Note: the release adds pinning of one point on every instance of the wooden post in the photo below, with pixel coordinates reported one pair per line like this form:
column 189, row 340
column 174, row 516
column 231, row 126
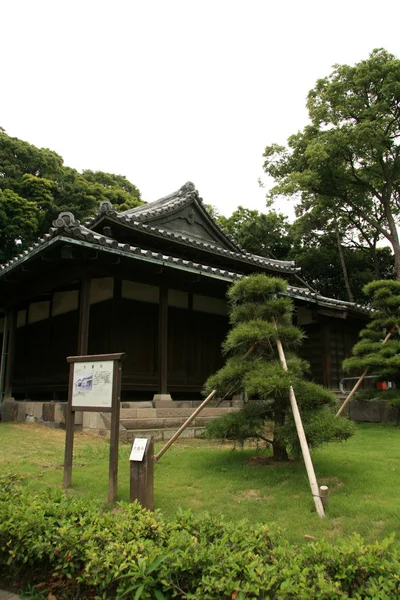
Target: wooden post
column 163, row 340
column 142, row 477
column 302, row 438
column 69, row 433
column 114, row 434
column 323, row 492
column 10, row 354
column 84, row 314
column 4, row 355
column 183, row 427
column 359, row 382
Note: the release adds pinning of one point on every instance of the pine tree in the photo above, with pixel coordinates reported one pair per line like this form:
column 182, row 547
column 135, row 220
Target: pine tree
column 381, row 359
column 260, row 313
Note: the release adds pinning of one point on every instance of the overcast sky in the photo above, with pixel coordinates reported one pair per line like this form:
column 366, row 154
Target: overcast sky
column 169, row 91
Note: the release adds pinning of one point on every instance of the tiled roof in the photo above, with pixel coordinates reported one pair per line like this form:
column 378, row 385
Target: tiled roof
column 138, row 219
column 66, row 228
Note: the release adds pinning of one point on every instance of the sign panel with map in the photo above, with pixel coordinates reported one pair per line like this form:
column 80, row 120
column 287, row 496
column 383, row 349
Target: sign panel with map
column 93, row 384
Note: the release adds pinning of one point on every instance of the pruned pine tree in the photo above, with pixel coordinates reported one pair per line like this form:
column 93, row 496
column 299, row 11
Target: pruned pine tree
column 260, row 313
column 381, row 359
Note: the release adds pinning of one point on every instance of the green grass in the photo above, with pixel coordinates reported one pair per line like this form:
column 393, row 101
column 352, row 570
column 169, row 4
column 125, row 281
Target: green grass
column 363, row 476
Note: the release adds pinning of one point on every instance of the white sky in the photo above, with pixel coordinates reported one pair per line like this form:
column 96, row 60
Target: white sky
column 169, row 91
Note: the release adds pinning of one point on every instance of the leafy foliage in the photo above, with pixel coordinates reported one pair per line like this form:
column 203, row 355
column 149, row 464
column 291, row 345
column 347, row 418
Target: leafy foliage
column 260, row 315
column 35, row 187
column 73, row 548
column 382, row 360
column 344, row 166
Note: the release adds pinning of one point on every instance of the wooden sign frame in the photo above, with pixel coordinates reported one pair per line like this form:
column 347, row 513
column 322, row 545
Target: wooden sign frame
column 112, row 406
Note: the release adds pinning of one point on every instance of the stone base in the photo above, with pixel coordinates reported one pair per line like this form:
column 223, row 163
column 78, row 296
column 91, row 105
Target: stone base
column 163, row 401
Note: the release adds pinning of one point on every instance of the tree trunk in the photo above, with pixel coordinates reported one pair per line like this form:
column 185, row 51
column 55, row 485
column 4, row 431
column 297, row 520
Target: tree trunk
column 278, row 448
column 343, row 263
column 279, row 451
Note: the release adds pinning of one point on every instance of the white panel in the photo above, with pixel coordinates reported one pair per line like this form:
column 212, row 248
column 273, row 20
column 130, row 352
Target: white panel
column 101, row 289
column 38, row 311
column 2, row 325
column 178, row 299
column 140, row 291
column 21, row 318
column 207, row 304
column 64, row 302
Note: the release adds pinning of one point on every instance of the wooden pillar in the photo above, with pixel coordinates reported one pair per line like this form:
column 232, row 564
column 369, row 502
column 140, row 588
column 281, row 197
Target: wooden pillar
column 3, row 355
column 12, row 331
column 163, row 339
column 326, row 355
column 84, row 312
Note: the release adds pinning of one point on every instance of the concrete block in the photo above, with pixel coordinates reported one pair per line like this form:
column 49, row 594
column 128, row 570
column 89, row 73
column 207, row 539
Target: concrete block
column 9, row 411
column 162, row 398
column 78, row 417
column 93, row 420
column 146, row 413
column 60, row 409
column 48, row 411
column 202, row 421
column 142, row 423
column 21, row 413
column 174, row 412
column 128, row 413
column 188, row 433
column 29, row 408
column 38, row 410
column 165, row 404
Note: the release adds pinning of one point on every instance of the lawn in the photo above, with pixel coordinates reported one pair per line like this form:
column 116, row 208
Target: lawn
column 363, row 476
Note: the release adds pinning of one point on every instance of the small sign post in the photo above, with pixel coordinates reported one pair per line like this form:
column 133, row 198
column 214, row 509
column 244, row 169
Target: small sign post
column 142, row 472
column 94, row 386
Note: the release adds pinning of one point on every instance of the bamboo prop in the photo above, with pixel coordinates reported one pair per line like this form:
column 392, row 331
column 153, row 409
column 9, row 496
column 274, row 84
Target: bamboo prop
column 302, row 438
column 183, row 427
column 359, row 382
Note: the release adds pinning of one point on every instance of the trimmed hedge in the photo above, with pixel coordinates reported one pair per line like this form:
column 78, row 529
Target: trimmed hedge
column 80, row 549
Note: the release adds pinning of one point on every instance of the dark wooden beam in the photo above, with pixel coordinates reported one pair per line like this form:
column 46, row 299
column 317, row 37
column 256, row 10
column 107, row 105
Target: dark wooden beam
column 163, row 339
column 84, row 313
column 12, row 324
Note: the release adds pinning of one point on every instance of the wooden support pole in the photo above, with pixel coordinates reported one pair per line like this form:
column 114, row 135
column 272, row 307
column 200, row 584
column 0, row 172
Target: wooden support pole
column 183, row 427
column 302, row 438
column 359, row 382
column 142, row 478
column 323, row 492
column 114, row 433
column 163, row 340
column 12, row 332
column 69, row 434
column 84, row 314
column 4, row 355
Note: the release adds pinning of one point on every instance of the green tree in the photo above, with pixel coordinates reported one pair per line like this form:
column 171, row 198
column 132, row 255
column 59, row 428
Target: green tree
column 37, row 179
column 260, row 313
column 347, row 160
column 19, row 220
column 382, row 360
column 265, row 234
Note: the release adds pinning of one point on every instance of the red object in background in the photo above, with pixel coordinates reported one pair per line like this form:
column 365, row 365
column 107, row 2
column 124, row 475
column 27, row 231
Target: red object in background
column 381, row 385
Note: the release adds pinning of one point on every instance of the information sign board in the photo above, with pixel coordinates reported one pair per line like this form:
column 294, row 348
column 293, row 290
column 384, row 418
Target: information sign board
column 138, row 449
column 93, row 384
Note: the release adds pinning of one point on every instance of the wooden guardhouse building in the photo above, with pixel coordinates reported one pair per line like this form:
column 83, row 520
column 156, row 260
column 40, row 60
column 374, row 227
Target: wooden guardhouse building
column 151, row 282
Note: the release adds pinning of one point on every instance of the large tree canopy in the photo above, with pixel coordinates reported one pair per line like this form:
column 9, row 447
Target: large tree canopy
column 35, row 186
column 346, row 163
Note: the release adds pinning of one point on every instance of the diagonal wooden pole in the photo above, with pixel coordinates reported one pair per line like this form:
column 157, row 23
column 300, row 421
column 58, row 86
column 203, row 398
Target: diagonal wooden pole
column 302, row 438
column 359, row 382
column 183, row 427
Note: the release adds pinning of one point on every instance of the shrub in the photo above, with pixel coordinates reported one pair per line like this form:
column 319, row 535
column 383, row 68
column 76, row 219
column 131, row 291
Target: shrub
column 80, row 549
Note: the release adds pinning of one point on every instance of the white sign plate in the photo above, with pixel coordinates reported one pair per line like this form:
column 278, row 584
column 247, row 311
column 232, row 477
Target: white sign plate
column 138, row 449
column 93, row 384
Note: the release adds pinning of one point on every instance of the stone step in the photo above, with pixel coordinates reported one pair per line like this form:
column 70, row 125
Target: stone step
column 162, row 435
column 166, row 423
column 157, row 413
